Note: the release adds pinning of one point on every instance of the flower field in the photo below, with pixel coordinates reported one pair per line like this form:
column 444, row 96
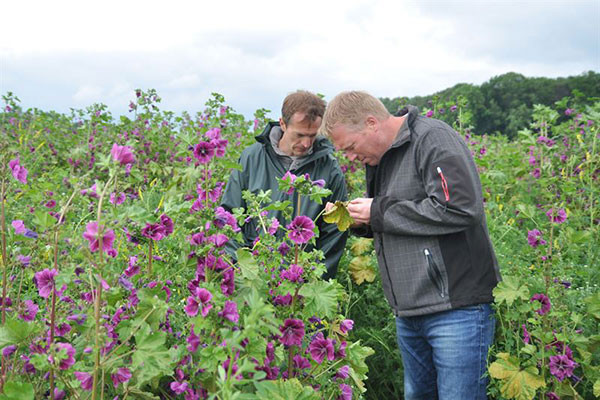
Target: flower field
column 116, row 283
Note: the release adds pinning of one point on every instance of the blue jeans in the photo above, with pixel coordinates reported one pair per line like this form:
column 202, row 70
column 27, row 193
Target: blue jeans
column 445, row 354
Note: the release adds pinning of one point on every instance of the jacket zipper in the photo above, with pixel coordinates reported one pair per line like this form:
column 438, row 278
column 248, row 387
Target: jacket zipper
column 434, row 274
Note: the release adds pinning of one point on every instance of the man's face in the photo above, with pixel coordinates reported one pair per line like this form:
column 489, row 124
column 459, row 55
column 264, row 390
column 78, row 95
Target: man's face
column 298, row 135
column 362, row 144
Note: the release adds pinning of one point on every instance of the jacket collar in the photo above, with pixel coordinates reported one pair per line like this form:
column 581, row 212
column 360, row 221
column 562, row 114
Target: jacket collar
column 321, row 147
column 405, row 132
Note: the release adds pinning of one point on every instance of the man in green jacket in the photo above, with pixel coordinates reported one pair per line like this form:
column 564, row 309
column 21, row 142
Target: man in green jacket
column 292, row 145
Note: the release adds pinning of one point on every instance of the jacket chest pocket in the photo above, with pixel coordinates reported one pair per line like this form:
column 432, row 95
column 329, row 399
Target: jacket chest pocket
column 434, row 273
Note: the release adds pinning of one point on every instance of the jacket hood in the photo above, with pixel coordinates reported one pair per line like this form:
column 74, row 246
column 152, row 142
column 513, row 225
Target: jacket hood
column 321, row 146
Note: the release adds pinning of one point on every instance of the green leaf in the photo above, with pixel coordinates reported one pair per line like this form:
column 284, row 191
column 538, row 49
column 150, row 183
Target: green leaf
column 339, row 215
column 597, row 388
column 320, row 298
column 593, row 305
column 227, row 164
column 290, row 389
column 356, row 355
column 247, row 264
column 17, row 391
column 361, row 269
column 15, row 332
column 151, row 358
column 361, row 246
column 510, row 290
column 519, row 384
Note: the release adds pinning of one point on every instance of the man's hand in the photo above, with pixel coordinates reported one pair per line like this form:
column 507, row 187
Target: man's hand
column 360, row 210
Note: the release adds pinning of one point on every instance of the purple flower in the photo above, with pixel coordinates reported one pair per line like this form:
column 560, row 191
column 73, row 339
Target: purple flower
column 230, row 312
column 44, row 281
column 50, row 204
column 536, row 173
column 453, row 108
column 290, row 178
column 25, row 260
column 320, row 348
column 122, row 154
column 9, row 350
column 59, row 394
column 193, row 341
column 569, row 111
column 301, row 229
column 191, row 308
column 283, row 248
column 292, row 332
column 121, row 376
column 346, row 392
column 167, row 223
column 218, row 239
column 293, row 273
column 544, row 301
column 346, row 325
column 526, row 336
column 18, row 171
column 552, row 396
column 92, row 235
column 19, row 226
column 154, row 231
column 273, row 227
column 319, row 182
column 301, row 362
column 429, row 114
column 179, row 387
column 117, row 200
column 205, row 297
column 132, row 267
column 66, row 363
column 343, row 372
column 557, row 216
column 561, row 366
column 86, row 380
column 534, row 238
column 126, row 283
column 204, row 152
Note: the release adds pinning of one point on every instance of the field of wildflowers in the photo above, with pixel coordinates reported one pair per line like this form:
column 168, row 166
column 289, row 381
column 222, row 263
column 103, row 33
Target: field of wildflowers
column 116, row 284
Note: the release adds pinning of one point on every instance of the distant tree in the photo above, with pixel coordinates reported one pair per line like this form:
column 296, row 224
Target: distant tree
column 504, row 104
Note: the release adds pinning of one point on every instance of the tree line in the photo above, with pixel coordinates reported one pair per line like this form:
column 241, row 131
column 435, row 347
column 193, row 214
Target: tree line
column 504, row 104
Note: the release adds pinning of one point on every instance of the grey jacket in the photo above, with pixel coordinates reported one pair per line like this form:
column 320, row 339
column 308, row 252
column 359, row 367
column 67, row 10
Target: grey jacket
column 428, row 222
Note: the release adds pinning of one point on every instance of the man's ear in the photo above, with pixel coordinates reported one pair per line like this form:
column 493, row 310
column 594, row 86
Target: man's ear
column 282, row 124
column 371, row 121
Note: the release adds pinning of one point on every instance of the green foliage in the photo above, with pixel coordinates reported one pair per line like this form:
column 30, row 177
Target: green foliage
column 17, row 391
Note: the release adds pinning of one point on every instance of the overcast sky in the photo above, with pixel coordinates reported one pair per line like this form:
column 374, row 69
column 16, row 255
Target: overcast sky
column 58, row 55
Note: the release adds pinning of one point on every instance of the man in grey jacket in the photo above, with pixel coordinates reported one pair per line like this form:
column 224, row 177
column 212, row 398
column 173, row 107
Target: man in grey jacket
column 424, row 209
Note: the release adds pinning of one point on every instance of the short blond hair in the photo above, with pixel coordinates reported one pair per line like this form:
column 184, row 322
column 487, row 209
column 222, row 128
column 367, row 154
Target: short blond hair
column 351, row 109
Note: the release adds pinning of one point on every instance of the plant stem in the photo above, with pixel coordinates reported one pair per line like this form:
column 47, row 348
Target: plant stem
column 4, row 257
column 150, row 245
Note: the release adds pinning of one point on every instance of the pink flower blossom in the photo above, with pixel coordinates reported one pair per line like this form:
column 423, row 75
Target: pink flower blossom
column 167, row 223
column 343, row 372
column 534, row 238
column 556, row 216
column 66, row 363
column 320, row 348
column 204, row 152
column 292, row 332
column 19, row 226
column 346, row 325
column 18, row 171
column 544, row 301
column 293, row 273
column 346, row 392
column 31, row 310
column 121, row 376
column 429, row 114
column 86, row 380
column 230, row 312
column 154, row 231
column 122, row 154
column 92, row 234
column 561, row 366
column 44, row 281
column 301, row 229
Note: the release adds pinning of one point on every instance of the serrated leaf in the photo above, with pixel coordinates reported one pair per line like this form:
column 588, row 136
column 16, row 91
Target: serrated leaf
column 597, row 388
column 593, row 305
column 361, row 246
column 356, row 355
column 15, row 332
column 361, row 269
column 320, row 298
column 290, row 389
column 151, row 358
column 17, row 391
column 517, row 383
column 510, row 290
column 247, row 264
column 339, row 215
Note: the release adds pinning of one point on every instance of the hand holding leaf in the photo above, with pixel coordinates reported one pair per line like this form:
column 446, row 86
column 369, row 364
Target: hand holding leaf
column 338, row 214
